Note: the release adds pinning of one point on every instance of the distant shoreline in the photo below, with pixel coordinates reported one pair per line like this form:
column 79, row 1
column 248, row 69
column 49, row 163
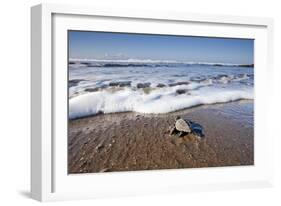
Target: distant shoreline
column 144, row 63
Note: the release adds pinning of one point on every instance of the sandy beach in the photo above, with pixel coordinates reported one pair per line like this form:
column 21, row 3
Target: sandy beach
column 133, row 141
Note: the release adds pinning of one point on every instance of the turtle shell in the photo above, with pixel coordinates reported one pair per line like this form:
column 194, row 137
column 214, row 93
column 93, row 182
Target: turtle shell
column 182, row 126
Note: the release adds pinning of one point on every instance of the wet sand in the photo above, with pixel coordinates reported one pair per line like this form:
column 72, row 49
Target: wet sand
column 131, row 141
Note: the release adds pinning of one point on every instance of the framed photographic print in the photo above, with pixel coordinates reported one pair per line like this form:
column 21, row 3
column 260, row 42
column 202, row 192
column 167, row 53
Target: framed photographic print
column 134, row 102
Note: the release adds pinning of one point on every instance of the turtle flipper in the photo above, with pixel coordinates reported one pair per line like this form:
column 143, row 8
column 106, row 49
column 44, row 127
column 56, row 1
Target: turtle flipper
column 180, row 134
column 196, row 129
column 173, row 131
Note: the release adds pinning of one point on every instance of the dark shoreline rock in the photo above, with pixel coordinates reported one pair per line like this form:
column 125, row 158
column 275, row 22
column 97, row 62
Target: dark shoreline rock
column 74, row 82
column 179, row 83
column 92, row 89
column 95, row 89
column 143, row 85
column 181, row 91
column 160, row 85
column 120, row 84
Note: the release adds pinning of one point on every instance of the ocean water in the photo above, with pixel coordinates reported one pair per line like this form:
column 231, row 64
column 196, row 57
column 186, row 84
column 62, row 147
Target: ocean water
column 153, row 86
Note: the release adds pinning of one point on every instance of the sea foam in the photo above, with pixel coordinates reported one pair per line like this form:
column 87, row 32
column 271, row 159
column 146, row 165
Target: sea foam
column 162, row 100
column 138, row 87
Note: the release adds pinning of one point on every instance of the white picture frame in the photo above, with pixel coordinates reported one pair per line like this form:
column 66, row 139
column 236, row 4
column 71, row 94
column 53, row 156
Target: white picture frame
column 49, row 179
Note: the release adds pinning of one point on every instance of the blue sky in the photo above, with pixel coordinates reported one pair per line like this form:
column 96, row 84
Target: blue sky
column 106, row 45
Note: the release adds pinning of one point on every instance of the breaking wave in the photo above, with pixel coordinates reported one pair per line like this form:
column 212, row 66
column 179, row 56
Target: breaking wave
column 154, row 89
column 162, row 100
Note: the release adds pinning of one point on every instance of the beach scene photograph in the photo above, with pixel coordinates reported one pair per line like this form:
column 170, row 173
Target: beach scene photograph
column 154, row 101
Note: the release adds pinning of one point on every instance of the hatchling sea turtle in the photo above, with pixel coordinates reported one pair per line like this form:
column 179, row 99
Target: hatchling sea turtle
column 183, row 127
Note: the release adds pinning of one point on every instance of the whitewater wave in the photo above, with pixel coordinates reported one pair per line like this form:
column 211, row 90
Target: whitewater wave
column 162, row 100
column 94, row 90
